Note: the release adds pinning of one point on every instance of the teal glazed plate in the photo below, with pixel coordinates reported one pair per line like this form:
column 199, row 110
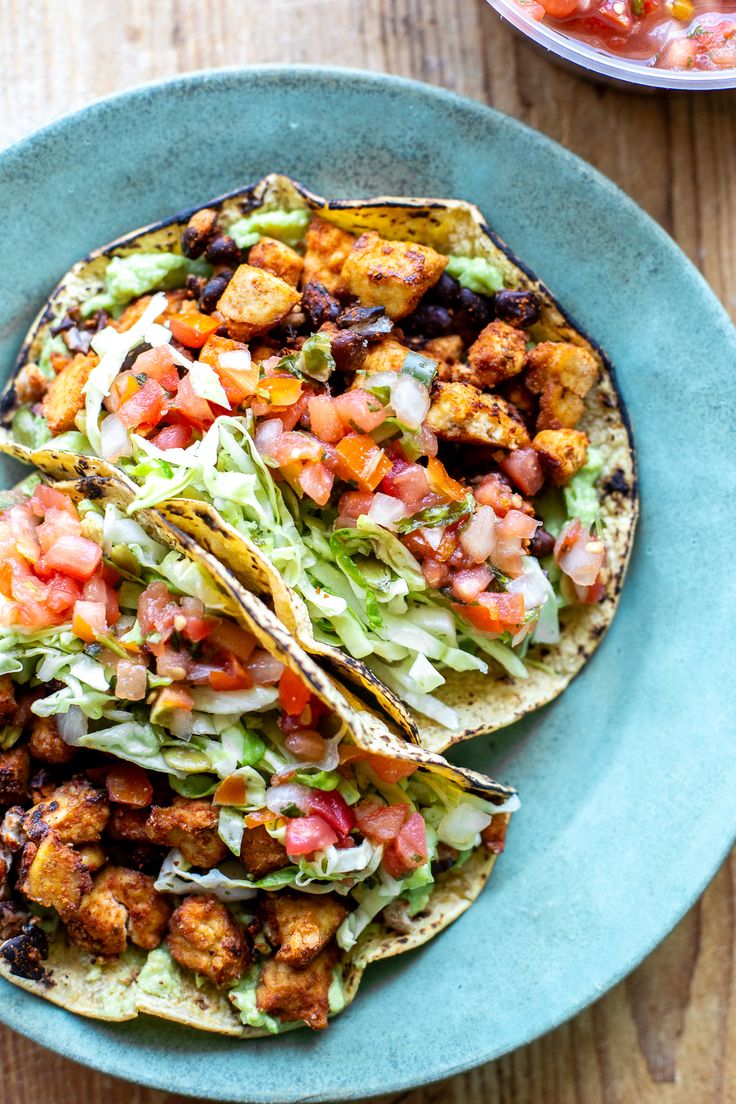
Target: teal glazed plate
column 628, row 779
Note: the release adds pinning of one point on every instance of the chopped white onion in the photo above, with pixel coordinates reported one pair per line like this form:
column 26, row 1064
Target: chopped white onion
column 72, row 725
column 268, row 434
column 479, row 535
column 287, row 796
column 378, row 380
column 433, row 536
column 182, row 724
column 238, row 360
column 410, row 401
column 460, row 826
column 532, row 584
column 114, row 439
column 386, row 510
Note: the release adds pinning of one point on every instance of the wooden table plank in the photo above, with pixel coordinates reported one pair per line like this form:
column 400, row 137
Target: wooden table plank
column 667, row 1035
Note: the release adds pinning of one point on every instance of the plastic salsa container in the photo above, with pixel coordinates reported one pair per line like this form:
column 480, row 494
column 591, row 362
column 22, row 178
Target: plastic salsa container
column 682, row 44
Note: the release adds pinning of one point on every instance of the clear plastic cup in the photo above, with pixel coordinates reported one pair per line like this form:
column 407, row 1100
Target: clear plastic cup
column 609, row 67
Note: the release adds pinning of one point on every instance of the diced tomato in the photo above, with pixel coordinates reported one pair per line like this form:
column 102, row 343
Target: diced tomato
column 239, row 383
column 89, row 621
column 233, row 639
column 158, row 364
column 46, row 498
column 379, row 822
column 407, row 482
column 123, row 387
column 193, row 409
column 470, row 582
column 294, row 694
column 157, row 611
column 128, row 784
column 409, row 850
column 494, row 491
column 307, row 834
column 171, row 663
column 280, row 390
column 354, row 504
column 296, row 446
column 63, row 592
column 360, row 410
column 192, row 329
column 144, row 408
column 56, row 524
column 391, row 770
column 522, row 466
column 325, row 420
column 232, row 677
column 614, row 13
column 436, row 573
column 333, row 808
column 75, row 556
column 580, row 555
column 559, row 9
column 173, row 436
column 316, row 481
column 442, row 483
column 495, row 613
column 362, row 461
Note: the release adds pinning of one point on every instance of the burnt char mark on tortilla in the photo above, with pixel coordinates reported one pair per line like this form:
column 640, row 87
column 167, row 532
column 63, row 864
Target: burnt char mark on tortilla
column 25, row 953
column 94, row 486
column 618, row 484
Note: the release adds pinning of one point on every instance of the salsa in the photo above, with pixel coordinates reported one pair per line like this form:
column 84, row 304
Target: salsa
column 666, row 34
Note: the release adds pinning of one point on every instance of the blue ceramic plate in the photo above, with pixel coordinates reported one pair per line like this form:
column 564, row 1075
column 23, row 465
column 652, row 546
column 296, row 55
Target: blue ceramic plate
column 628, row 779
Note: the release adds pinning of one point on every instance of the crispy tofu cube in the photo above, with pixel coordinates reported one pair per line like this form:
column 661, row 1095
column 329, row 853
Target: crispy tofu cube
column 327, row 250
column 64, row 398
column 53, row 875
column 300, row 925
column 204, row 936
column 387, row 355
column 92, row 855
column 129, row 824
column 254, row 301
column 8, row 704
column 290, row 995
column 46, row 744
column 189, row 825
column 459, row 412
column 494, row 836
column 31, row 384
column 76, row 811
column 498, row 353
column 561, row 374
column 15, row 776
column 563, row 452
column 448, row 351
column 123, row 904
column 391, row 274
column 260, row 854
column 273, row 256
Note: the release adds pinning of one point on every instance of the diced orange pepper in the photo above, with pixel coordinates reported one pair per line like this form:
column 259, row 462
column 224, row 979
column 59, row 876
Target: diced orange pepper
column 294, row 694
column 390, row 770
column 233, row 790
column 261, row 816
column 193, row 328
column 362, row 460
column 280, row 390
column 128, row 784
column 443, row 483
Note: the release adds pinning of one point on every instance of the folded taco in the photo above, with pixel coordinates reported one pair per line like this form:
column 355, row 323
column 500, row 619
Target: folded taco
column 369, row 410
column 196, row 822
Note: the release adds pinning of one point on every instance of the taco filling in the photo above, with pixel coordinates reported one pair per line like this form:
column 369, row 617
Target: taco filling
column 391, row 426
column 173, row 790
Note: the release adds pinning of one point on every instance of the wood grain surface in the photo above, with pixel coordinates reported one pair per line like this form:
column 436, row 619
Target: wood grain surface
column 667, row 1035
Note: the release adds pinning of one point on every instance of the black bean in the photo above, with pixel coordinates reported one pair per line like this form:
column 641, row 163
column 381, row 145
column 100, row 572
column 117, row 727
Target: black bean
column 223, row 250
column 518, row 308
column 78, row 341
column 542, row 544
column 318, row 305
column 349, row 350
column 65, row 324
column 24, row 953
column 201, row 227
column 445, row 291
column 472, row 313
column 212, row 291
column 429, row 320
column 195, row 285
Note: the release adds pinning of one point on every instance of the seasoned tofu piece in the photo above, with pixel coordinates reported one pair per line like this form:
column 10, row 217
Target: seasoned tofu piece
column 563, row 452
column 448, row 351
column 76, row 811
column 459, row 412
column 53, row 875
column 129, row 824
column 31, row 384
column 300, row 924
column 204, row 936
column 387, row 355
column 391, row 274
column 254, row 301
column 290, row 995
column 327, row 250
column 561, row 374
column 498, row 353
column 15, row 776
column 122, row 905
column 46, row 744
column 273, row 256
column 260, row 854
column 92, row 855
column 494, row 836
column 191, row 826
column 64, row 398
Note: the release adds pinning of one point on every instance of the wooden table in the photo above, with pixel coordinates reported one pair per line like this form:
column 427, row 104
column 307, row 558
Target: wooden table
column 667, row 1035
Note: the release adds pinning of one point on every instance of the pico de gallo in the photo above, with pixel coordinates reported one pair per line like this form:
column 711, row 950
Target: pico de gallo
column 667, row 34
column 408, row 458
column 167, row 764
